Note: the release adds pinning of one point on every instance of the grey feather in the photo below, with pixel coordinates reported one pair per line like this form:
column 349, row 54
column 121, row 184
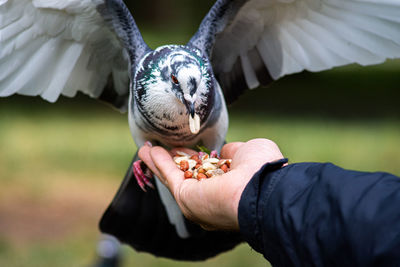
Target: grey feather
column 219, row 16
column 122, row 22
column 213, row 25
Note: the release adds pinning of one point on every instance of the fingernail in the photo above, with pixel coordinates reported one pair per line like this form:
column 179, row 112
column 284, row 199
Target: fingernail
column 148, row 143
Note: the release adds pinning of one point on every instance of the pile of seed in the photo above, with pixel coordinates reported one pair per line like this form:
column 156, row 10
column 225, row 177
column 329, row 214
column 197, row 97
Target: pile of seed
column 201, row 165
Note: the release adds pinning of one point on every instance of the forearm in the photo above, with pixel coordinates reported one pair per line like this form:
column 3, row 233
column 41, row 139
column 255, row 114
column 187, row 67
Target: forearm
column 315, row 214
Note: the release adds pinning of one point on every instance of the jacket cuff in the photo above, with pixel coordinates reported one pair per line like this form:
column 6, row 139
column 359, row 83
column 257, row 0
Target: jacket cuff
column 247, row 211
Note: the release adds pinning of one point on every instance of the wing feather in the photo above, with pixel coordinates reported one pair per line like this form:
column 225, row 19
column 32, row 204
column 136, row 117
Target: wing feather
column 271, row 51
column 295, row 35
column 259, row 67
column 60, row 47
column 33, row 64
column 249, row 73
column 386, row 10
column 65, row 65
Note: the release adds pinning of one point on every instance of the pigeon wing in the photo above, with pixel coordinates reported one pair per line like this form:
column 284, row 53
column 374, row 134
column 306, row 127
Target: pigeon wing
column 254, row 42
column 53, row 48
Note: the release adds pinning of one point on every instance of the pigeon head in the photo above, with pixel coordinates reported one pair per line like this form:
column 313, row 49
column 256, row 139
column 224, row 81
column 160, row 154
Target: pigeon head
column 186, row 78
column 174, row 84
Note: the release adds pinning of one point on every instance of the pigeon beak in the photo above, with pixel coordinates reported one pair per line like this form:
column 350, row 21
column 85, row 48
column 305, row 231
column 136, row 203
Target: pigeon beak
column 191, row 109
column 194, row 123
column 194, row 119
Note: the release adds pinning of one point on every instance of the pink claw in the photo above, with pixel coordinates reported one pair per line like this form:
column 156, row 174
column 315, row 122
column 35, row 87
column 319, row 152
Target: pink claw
column 142, row 178
column 214, row 154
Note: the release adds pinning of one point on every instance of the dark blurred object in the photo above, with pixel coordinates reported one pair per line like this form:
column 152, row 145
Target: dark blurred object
column 139, row 219
column 107, row 262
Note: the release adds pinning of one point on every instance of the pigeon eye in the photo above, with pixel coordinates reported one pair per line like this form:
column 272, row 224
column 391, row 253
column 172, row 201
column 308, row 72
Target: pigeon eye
column 174, row 79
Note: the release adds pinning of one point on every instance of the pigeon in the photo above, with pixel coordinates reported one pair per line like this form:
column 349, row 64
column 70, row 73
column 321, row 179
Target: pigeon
column 176, row 95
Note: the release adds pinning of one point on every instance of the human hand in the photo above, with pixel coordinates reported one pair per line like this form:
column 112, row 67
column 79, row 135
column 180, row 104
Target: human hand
column 213, row 202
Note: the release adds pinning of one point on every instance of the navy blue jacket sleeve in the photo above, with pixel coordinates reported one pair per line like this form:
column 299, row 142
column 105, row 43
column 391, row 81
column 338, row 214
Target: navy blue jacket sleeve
column 314, row 214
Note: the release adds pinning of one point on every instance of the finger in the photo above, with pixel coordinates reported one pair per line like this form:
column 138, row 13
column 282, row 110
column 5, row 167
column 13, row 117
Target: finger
column 144, row 155
column 229, row 150
column 170, row 174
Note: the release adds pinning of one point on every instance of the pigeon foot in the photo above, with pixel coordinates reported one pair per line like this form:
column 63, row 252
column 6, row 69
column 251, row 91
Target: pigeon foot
column 214, row 154
column 142, row 177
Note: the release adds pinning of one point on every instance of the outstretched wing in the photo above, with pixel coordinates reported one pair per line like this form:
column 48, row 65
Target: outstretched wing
column 254, row 42
column 49, row 48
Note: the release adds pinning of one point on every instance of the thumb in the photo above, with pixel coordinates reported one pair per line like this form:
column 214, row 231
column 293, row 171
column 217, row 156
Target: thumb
column 229, row 150
column 171, row 175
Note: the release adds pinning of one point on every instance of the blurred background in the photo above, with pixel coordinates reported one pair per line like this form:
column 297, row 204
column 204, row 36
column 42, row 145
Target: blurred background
column 61, row 164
